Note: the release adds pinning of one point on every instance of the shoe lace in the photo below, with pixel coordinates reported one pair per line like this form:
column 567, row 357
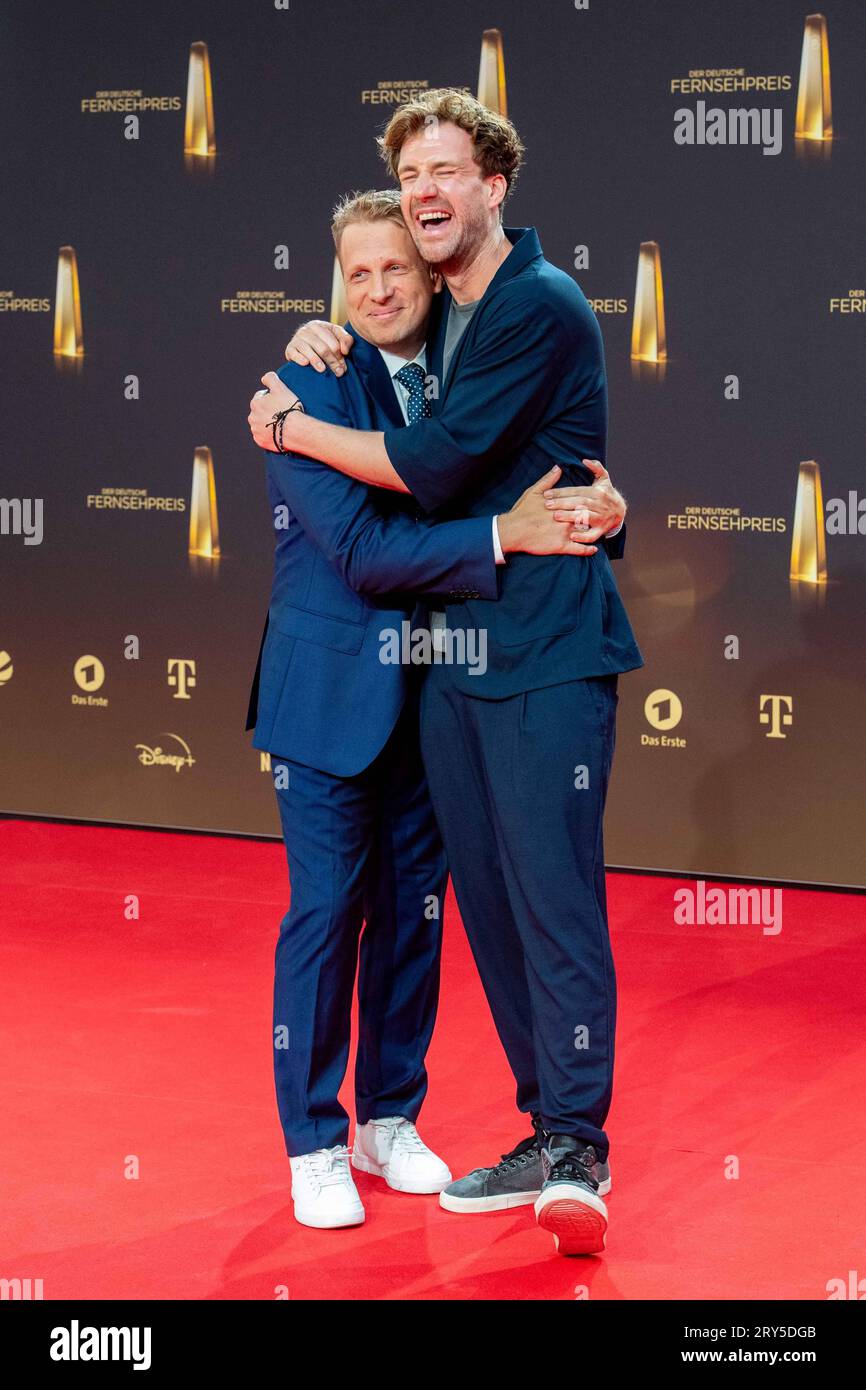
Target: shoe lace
column 324, row 1167
column 519, row 1156
column 576, row 1167
column 405, row 1136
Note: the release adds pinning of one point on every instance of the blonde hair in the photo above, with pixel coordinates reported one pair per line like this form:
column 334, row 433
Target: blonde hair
column 498, row 148
column 374, row 205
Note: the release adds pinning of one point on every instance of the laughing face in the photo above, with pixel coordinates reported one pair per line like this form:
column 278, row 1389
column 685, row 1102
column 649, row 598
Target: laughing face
column 448, row 203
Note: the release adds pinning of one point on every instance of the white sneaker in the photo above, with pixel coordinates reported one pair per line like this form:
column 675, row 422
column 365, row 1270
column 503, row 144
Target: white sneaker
column 394, row 1150
column 323, row 1190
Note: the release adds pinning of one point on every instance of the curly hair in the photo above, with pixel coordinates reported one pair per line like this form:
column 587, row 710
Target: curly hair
column 497, row 148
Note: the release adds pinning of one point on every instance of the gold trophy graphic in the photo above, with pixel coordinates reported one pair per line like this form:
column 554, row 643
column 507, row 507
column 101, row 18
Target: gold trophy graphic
column 339, row 309
column 648, row 340
column 814, row 108
column 808, row 545
column 199, row 143
column 491, row 73
column 68, row 338
column 204, row 536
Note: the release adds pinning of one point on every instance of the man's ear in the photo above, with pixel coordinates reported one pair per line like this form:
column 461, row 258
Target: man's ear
column 438, row 282
column 498, row 190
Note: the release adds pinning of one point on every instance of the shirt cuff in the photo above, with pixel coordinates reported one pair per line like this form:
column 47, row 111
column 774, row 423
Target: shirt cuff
column 610, row 534
column 498, row 553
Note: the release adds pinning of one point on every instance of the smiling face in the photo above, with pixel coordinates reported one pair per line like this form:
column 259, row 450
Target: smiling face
column 446, row 199
column 388, row 286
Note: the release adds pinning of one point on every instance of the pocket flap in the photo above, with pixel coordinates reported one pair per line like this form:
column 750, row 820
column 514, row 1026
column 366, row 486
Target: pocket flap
column 337, row 633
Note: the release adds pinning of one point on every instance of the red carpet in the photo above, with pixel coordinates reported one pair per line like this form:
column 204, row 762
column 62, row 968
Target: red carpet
column 151, row 1038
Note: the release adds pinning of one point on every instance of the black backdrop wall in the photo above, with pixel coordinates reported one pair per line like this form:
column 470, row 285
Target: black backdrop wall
column 741, row 745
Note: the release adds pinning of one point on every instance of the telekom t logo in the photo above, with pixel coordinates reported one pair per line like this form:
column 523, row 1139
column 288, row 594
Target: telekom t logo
column 772, row 713
column 181, row 674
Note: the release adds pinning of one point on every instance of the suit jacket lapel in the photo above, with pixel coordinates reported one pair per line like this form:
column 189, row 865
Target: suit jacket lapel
column 436, row 330
column 374, row 374
column 526, row 248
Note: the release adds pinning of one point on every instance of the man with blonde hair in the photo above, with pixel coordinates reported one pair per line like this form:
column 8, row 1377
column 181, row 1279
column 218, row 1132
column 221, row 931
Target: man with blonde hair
column 341, row 723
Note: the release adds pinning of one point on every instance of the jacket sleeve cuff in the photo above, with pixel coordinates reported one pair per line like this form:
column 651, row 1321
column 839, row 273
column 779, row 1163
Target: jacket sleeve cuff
column 482, row 573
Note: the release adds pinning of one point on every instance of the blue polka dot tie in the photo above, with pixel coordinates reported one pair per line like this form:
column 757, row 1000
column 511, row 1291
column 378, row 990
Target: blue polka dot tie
column 412, row 377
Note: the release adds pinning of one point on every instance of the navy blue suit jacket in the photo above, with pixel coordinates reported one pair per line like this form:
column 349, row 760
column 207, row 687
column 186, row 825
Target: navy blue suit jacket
column 526, row 388
column 349, row 562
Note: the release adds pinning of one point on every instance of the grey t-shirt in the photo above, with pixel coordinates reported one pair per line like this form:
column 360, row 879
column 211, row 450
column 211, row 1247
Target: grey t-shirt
column 459, row 316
